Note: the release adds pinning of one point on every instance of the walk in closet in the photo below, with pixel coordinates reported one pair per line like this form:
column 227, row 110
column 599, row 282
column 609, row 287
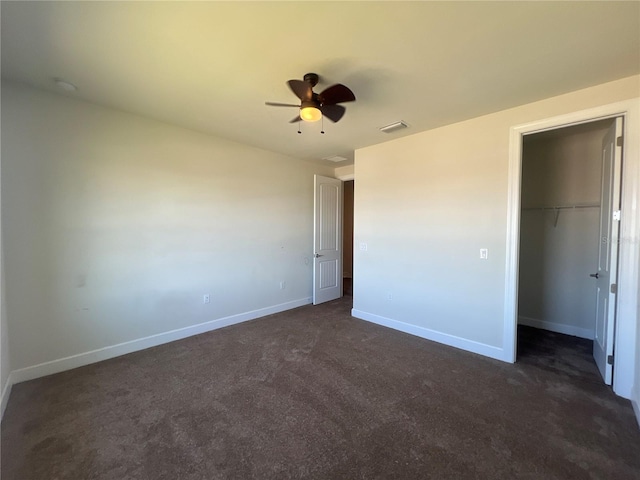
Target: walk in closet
column 560, row 228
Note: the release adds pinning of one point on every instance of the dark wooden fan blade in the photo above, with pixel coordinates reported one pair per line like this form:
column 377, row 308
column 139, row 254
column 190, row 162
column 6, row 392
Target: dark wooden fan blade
column 337, row 93
column 276, row 104
column 301, row 89
column 296, row 120
column 333, row 112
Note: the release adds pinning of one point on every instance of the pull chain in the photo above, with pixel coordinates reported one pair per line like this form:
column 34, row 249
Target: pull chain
column 299, row 127
column 322, row 131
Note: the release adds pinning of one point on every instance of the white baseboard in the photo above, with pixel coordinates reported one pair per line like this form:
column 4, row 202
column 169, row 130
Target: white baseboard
column 557, row 327
column 444, row 338
column 6, row 391
column 86, row 358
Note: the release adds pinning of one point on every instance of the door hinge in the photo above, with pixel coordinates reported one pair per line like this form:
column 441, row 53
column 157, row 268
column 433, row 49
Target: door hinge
column 614, row 288
column 619, row 141
column 616, row 215
column 610, row 359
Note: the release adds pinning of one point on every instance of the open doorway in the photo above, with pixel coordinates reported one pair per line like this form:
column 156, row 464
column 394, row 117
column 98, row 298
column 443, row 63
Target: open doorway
column 569, row 243
column 333, row 239
column 627, row 295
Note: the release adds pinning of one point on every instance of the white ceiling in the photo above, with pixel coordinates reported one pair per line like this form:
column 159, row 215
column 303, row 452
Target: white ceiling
column 210, row 66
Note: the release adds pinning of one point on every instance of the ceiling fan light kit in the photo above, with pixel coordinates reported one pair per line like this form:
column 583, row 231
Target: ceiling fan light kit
column 315, row 106
column 309, row 112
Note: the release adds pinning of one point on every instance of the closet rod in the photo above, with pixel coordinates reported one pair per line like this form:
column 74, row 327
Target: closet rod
column 557, row 209
column 564, row 207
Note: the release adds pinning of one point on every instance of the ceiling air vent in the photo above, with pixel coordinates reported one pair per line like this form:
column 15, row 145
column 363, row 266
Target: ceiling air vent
column 335, row 158
column 392, row 127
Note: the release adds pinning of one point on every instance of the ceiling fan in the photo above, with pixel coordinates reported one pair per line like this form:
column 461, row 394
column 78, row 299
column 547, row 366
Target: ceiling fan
column 314, row 106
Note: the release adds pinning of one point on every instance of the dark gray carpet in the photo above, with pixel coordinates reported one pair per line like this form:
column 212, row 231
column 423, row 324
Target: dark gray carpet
column 313, row 393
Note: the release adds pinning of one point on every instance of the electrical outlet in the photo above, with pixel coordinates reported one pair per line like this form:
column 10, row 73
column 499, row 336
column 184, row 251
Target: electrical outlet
column 283, row 285
column 363, row 247
column 484, row 253
column 206, row 298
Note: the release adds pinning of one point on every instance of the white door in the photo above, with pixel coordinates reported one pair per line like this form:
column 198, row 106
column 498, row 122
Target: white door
column 608, row 251
column 327, row 243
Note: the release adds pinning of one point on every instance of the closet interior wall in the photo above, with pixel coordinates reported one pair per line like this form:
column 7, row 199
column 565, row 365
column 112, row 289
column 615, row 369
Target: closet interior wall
column 559, row 230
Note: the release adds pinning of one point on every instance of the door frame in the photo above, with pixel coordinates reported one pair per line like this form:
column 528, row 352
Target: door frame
column 625, row 338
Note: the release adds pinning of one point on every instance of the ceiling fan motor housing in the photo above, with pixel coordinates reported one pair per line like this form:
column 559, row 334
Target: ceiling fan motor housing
column 311, row 78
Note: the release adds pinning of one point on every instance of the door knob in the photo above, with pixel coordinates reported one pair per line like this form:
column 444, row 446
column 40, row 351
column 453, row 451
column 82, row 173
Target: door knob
column 594, row 275
column 317, row 255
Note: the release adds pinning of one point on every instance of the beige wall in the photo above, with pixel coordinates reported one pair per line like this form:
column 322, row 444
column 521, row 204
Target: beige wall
column 560, row 168
column 115, row 226
column 425, row 204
